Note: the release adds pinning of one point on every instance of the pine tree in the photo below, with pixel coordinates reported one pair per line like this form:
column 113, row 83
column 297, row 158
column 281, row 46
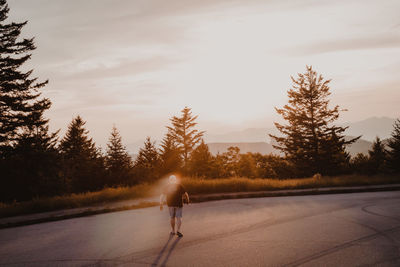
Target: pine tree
column 33, row 169
column 185, row 136
column 394, row 148
column 76, row 142
column 201, row 161
column 310, row 140
column 83, row 162
column 21, row 108
column 147, row 163
column 29, row 161
column 169, row 155
column 118, row 161
column 360, row 164
column 377, row 157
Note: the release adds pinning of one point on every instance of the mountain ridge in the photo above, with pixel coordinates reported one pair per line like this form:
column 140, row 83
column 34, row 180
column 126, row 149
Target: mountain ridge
column 368, row 129
column 360, row 146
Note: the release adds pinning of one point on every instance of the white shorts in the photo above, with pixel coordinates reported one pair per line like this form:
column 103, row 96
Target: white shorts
column 175, row 212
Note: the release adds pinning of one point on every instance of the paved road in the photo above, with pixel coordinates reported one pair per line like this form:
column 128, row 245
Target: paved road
column 327, row 230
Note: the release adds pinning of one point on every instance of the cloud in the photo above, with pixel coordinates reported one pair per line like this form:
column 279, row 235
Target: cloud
column 127, row 61
column 371, row 42
column 380, row 99
column 123, row 67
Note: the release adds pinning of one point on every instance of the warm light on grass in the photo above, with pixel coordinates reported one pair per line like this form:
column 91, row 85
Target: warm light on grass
column 192, row 185
column 208, row 186
column 75, row 200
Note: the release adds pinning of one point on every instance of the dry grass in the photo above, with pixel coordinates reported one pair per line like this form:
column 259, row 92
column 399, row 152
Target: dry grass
column 208, row 186
column 192, row 185
column 74, row 200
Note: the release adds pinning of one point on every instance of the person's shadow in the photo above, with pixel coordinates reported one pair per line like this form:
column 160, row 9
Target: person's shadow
column 163, row 251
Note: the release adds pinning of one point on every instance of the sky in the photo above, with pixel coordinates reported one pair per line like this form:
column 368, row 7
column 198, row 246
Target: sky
column 137, row 63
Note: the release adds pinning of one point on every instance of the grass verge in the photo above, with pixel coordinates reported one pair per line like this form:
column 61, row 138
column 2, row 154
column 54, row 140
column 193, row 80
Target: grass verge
column 192, row 185
column 227, row 185
column 74, row 200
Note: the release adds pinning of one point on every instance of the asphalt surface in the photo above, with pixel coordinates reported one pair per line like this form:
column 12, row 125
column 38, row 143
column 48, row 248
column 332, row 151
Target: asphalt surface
column 361, row 229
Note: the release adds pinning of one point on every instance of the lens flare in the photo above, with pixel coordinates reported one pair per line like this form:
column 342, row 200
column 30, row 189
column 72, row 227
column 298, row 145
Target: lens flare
column 172, row 179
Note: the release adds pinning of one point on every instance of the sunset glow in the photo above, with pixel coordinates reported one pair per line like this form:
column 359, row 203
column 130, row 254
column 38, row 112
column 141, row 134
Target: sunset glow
column 137, row 63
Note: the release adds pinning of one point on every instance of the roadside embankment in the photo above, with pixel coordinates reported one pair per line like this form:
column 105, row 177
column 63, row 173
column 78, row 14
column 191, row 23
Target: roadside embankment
column 150, row 202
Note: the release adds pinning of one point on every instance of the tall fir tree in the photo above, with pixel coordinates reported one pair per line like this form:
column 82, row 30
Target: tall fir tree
column 310, row 140
column 186, row 137
column 33, row 169
column 377, row 157
column 394, row 148
column 29, row 162
column 169, row 155
column 21, row 105
column 118, row 161
column 147, row 163
column 84, row 168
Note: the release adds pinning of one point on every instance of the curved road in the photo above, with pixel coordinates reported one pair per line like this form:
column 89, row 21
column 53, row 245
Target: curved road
column 360, row 229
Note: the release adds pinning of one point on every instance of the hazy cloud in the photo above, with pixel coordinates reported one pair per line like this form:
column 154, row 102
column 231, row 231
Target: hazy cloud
column 370, row 42
column 136, row 63
column 124, row 67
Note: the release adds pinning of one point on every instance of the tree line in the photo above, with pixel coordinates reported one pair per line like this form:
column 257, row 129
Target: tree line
column 35, row 162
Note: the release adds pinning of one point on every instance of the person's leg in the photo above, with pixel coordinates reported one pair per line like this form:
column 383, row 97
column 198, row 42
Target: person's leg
column 178, row 224
column 172, row 215
column 179, row 221
column 173, row 225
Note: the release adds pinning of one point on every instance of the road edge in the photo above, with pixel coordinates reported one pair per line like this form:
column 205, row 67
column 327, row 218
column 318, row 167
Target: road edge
column 208, row 197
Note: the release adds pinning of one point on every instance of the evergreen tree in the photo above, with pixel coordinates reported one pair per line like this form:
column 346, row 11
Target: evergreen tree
column 377, row 157
column 83, row 163
column 310, row 140
column 29, row 162
column 186, row 137
column 360, row 164
column 21, row 108
column 118, row 161
column 246, row 167
column 147, row 163
column 169, row 155
column 33, row 169
column 394, row 148
column 201, row 161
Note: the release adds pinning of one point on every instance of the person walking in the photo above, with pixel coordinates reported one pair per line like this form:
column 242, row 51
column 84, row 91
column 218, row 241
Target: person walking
column 174, row 192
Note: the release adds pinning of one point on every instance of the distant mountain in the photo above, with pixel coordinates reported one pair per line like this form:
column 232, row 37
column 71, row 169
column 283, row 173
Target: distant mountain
column 371, row 127
column 360, row 146
column 257, row 139
column 247, row 135
column 258, row 147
